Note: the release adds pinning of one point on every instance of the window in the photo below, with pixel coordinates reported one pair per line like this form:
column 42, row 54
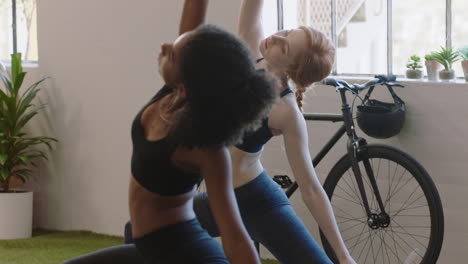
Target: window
column 378, row 36
column 18, row 29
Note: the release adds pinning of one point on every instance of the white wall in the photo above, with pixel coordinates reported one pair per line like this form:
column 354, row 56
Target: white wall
column 101, row 57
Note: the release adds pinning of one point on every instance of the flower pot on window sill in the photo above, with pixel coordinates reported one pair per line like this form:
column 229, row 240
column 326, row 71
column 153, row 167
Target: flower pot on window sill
column 414, row 74
column 16, row 209
column 465, row 69
column 433, row 68
column 446, row 75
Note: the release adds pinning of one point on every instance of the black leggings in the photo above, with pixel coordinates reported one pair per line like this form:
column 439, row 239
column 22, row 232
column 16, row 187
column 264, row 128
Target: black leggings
column 182, row 243
column 122, row 254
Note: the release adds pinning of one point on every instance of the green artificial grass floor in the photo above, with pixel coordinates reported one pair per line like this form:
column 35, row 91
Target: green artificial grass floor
column 54, row 247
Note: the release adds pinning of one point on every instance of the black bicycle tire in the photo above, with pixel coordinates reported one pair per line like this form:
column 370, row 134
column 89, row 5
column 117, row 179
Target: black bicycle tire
column 422, row 177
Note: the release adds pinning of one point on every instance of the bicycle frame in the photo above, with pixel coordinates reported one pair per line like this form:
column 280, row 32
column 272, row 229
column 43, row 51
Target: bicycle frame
column 355, row 146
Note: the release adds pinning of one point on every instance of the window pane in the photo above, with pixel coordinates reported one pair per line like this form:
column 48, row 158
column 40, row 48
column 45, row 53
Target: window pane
column 459, row 29
column 270, row 17
column 315, row 13
column 5, row 30
column 416, row 30
column 362, row 36
column 290, row 11
column 27, row 29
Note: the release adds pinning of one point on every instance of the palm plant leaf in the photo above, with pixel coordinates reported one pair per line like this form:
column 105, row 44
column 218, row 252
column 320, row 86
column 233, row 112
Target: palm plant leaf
column 33, row 86
column 17, row 149
column 446, row 57
column 6, row 82
column 463, row 53
column 16, row 68
column 18, row 81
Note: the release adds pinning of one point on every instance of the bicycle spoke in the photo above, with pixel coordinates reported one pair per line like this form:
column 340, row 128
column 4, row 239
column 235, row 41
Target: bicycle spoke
column 346, row 229
column 339, row 196
column 401, row 209
column 407, row 233
column 408, row 236
column 349, row 220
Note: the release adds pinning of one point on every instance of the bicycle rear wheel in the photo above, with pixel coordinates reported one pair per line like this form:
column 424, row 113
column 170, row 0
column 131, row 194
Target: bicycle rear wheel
column 412, row 232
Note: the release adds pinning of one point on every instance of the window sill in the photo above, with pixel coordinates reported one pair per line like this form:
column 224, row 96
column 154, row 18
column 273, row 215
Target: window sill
column 364, row 78
column 26, row 64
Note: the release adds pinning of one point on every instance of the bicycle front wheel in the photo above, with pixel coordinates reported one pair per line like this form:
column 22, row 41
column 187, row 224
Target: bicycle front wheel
column 412, row 228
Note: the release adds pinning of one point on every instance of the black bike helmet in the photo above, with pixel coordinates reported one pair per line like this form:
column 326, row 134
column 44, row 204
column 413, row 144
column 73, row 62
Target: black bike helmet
column 379, row 119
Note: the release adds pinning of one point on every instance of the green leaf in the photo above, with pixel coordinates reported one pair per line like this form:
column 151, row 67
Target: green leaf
column 16, row 67
column 33, row 86
column 25, row 119
column 19, row 81
column 3, row 159
column 463, row 52
column 5, row 174
column 7, row 82
column 24, row 159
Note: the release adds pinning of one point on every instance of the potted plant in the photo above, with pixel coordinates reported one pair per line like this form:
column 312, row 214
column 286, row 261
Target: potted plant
column 17, row 150
column 463, row 53
column 432, row 67
column 446, row 57
column 414, row 66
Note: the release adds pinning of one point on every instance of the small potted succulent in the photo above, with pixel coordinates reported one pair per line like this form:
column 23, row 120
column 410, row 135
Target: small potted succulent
column 413, row 68
column 446, row 57
column 463, row 53
column 432, row 66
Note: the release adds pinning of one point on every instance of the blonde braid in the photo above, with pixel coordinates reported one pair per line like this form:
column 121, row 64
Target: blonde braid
column 312, row 64
column 299, row 96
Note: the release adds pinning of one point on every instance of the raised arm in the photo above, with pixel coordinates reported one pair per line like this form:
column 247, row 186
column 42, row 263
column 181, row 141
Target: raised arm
column 314, row 196
column 250, row 27
column 193, row 15
column 216, row 169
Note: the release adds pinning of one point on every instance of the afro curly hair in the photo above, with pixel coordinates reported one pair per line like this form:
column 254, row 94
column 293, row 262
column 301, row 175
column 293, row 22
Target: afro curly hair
column 225, row 94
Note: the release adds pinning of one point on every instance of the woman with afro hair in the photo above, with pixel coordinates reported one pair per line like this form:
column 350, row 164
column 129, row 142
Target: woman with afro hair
column 181, row 137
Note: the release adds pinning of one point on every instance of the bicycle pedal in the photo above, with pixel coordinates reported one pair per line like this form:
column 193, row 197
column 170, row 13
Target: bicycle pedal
column 283, row 180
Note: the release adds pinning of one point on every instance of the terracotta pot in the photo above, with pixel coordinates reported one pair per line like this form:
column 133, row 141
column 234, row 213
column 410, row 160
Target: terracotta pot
column 465, row 69
column 433, row 68
column 414, row 74
column 446, row 75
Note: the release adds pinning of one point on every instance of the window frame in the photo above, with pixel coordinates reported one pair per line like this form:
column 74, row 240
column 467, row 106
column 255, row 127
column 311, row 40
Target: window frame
column 334, row 37
column 14, row 35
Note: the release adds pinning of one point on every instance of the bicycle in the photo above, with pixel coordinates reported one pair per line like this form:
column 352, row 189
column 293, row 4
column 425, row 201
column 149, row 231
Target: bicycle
column 376, row 230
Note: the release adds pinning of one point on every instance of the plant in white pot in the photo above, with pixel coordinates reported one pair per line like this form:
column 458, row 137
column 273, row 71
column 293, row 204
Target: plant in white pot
column 17, row 149
column 446, row 57
column 432, row 66
column 414, row 68
column 463, row 53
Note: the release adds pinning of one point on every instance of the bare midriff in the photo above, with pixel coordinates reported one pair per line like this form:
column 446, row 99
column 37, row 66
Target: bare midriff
column 245, row 166
column 150, row 211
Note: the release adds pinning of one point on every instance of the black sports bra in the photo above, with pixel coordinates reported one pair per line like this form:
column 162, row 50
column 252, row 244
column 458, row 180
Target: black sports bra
column 253, row 142
column 151, row 160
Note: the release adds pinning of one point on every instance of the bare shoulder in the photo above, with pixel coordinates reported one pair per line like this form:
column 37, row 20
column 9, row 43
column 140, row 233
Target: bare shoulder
column 284, row 113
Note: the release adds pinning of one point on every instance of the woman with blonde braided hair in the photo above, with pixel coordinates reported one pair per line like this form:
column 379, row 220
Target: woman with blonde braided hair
column 300, row 56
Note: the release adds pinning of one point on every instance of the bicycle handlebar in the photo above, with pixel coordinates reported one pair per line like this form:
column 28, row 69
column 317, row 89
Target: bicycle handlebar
column 355, row 88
